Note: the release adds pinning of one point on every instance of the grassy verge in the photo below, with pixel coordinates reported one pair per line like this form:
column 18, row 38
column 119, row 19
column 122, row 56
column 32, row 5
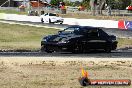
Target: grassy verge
column 124, row 42
column 18, row 37
column 12, row 12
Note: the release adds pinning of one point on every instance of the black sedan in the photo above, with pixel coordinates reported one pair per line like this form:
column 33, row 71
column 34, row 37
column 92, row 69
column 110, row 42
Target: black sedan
column 79, row 39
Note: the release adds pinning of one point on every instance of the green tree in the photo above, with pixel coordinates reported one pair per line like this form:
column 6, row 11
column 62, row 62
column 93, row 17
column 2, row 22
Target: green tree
column 86, row 4
column 67, row 3
column 131, row 3
column 55, row 2
column 119, row 4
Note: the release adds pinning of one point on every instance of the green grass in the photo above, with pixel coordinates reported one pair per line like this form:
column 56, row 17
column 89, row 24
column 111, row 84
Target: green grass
column 17, row 37
column 12, row 12
column 124, row 42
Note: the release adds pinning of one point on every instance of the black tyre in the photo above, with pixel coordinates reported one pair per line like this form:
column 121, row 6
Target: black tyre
column 42, row 48
column 48, row 51
column 61, row 23
column 42, row 20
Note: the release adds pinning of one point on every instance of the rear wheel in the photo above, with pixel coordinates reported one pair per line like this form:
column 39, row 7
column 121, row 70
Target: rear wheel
column 42, row 48
column 48, row 51
column 61, row 23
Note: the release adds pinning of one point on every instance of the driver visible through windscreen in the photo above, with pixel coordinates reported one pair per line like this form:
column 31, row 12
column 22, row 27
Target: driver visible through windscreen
column 70, row 30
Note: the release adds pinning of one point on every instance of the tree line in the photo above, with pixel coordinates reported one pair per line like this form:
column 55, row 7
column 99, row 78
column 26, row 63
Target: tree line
column 114, row 4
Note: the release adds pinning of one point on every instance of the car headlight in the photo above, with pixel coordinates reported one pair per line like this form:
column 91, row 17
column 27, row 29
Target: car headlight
column 44, row 40
column 64, row 41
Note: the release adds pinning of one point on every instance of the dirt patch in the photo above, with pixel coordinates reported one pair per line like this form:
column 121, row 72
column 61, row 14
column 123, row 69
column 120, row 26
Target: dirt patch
column 34, row 72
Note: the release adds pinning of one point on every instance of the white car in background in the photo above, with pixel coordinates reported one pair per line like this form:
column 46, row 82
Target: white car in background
column 51, row 18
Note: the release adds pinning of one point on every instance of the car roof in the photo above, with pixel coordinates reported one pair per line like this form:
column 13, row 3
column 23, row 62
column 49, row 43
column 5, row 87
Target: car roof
column 82, row 27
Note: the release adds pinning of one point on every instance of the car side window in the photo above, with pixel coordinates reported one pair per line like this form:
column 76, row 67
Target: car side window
column 93, row 33
column 102, row 34
column 71, row 30
column 51, row 14
column 46, row 14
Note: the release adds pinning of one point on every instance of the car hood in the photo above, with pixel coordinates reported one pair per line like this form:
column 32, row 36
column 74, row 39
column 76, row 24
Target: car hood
column 59, row 37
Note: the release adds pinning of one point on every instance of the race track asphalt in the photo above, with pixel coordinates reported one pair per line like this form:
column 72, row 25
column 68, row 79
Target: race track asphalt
column 94, row 54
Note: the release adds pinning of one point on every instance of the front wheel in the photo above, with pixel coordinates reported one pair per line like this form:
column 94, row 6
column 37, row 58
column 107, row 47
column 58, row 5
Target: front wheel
column 61, row 23
column 48, row 51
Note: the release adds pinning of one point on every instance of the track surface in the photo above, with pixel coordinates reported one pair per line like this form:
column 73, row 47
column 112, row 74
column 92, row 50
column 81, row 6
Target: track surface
column 95, row 54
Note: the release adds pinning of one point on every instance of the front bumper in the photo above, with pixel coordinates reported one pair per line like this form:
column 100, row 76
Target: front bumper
column 56, row 47
column 59, row 21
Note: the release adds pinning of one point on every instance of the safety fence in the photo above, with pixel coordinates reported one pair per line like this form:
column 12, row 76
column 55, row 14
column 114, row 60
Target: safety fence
column 114, row 12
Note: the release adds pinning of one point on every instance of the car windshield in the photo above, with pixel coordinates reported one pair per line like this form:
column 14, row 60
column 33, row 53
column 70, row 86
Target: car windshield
column 51, row 14
column 70, row 30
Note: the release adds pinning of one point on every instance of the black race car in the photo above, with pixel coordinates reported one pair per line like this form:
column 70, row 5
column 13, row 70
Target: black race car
column 79, row 39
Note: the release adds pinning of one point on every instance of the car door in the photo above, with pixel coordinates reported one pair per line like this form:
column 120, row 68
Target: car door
column 46, row 18
column 94, row 41
column 104, row 38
